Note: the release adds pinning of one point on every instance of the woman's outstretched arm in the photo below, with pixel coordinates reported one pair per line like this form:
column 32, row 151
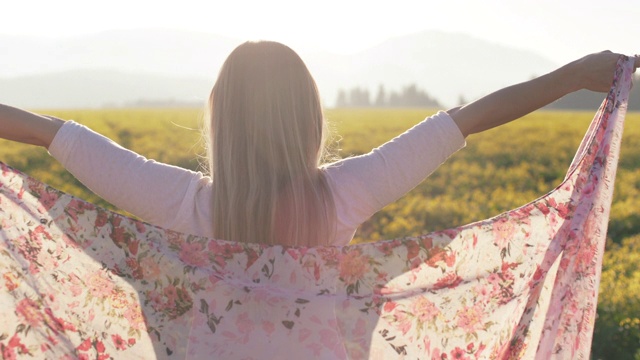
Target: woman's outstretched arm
column 161, row 194
column 593, row 72
column 27, row 127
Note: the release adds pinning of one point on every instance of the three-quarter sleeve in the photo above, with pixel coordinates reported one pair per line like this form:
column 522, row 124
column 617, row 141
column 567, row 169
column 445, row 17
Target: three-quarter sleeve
column 363, row 185
column 164, row 195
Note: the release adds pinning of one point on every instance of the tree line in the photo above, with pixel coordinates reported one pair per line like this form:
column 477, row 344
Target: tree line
column 412, row 96
column 409, row 96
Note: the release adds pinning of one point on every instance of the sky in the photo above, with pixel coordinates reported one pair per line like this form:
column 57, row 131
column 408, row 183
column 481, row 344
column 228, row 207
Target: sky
column 559, row 30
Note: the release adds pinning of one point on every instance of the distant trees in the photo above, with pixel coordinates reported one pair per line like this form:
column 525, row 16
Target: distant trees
column 412, row 96
column 359, row 97
column 409, row 96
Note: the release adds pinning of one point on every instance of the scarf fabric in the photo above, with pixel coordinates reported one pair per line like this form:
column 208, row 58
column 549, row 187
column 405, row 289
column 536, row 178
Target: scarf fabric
column 78, row 281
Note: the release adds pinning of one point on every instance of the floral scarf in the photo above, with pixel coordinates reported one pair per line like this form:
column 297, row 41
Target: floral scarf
column 78, row 281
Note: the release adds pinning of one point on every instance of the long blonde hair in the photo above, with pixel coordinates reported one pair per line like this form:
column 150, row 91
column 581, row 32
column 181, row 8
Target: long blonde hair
column 266, row 142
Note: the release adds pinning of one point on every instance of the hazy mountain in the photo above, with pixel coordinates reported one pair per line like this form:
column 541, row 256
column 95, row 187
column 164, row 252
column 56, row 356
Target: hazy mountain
column 164, row 52
column 445, row 65
column 118, row 67
column 99, row 88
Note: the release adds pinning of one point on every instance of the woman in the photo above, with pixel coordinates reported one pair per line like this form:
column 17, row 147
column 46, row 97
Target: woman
column 266, row 130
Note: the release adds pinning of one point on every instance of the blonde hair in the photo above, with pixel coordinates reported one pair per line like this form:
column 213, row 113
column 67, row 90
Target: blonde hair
column 266, row 141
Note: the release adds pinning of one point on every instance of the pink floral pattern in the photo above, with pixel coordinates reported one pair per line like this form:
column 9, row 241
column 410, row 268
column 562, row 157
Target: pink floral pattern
column 79, row 282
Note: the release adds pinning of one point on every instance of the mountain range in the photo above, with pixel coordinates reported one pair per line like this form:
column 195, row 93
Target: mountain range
column 124, row 67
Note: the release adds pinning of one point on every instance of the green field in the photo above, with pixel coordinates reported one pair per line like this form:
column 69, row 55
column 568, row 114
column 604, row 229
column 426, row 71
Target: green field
column 498, row 170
